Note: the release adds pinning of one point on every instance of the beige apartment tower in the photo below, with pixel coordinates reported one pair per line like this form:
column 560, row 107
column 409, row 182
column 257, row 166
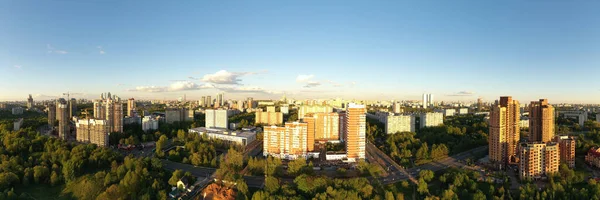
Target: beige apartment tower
column 289, row 142
column 62, row 115
column 130, row 107
column 541, row 121
column 355, row 131
column 504, row 132
column 325, row 126
column 269, row 118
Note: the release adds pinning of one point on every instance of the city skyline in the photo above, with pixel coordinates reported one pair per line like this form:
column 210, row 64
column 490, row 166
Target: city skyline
column 457, row 51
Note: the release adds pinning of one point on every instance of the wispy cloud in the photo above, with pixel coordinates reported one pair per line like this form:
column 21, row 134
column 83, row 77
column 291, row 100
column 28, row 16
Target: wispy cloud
column 225, row 77
column 307, row 80
column 18, row 66
column 100, row 50
column 176, row 86
column 51, row 49
column 463, row 93
column 247, row 89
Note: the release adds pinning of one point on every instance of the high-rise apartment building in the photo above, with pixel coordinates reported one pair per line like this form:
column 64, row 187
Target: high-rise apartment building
column 130, row 107
column 72, row 107
column 62, row 114
column 425, row 104
column 149, row 123
column 538, row 159
column 289, row 142
column 396, row 108
column 284, row 109
column 355, row 131
column 51, row 113
column 431, row 119
column 399, row 123
column 216, row 118
column 178, row 115
column 566, row 145
column 110, row 108
column 479, row 104
column 270, row 108
column 541, row 121
column 30, row 102
column 323, row 126
column 95, row 131
column 249, row 103
column 269, row 118
column 220, row 100
column 208, row 102
column 504, row 132
column 305, row 109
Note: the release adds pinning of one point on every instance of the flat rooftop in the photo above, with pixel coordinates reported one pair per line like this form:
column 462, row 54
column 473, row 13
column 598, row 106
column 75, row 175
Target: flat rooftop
column 223, row 131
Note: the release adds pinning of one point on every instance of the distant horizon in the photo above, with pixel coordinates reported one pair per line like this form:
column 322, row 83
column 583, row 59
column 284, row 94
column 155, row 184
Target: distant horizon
column 458, row 51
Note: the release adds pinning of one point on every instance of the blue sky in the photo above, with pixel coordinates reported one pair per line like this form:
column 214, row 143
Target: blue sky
column 457, row 50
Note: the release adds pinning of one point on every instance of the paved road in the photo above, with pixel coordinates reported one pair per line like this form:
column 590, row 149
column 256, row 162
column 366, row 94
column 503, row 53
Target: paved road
column 395, row 174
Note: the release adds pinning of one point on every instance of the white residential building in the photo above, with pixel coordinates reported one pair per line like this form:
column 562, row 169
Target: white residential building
column 431, row 119
column 18, row 123
column 285, row 109
column 449, row 112
column 240, row 137
column 149, row 123
column 216, row 118
column 399, row 123
column 463, row 111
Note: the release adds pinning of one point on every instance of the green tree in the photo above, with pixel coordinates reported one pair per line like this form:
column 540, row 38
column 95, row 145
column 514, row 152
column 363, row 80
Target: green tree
column 422, row 187
column 160, row 144
column 427, row 175
column 423, row 153
column 68, row 171
column 296, row 166
column 271, row 184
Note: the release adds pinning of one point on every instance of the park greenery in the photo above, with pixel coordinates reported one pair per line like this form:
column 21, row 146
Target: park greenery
column 459, row 133
column 31, row 163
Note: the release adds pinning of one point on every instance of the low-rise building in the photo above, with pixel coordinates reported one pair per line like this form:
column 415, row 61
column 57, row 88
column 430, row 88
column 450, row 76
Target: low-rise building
column 463, row 111
column 270, row 108
column 449, row 112
column 593, row 157
column 18, row 123
column 240, row 137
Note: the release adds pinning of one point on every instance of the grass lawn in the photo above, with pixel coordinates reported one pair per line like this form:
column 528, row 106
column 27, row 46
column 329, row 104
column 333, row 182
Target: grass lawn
column 36, row 191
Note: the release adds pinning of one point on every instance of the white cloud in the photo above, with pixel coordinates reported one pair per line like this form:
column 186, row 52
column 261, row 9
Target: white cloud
column 463, row 93
column 225, row 77
column 304, row 78
column 101, row 50
column 53, row 50
column 311, row 84
column 247, row 89
column 176, row 86
column 18, row 66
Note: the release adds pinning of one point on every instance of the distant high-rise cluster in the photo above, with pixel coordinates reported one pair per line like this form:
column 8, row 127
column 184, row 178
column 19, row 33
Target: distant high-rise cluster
column 205, row 101
column 220, row 101
column 428, row 100
column 298, row 139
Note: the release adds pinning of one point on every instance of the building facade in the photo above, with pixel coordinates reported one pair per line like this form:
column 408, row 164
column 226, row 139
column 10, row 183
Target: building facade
column 179, row 115
column 95, row 131
column 593, row 157
column 541, row 121
column 216, row 118
column 566, row 145
column 17, row 110
column 269, row 118
column 110, row 108
column 431, row 119
column 62, row 115
column 399, row 123
column 538, row 159
column 396, row 108
column 504, row 132
column 355, row 125
column 149, row 123
column 30, row 102
column 130, row 107
column 323, row 126
column 305, row 109
column 289, row 142
column 239, row 137
column 51, row 114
